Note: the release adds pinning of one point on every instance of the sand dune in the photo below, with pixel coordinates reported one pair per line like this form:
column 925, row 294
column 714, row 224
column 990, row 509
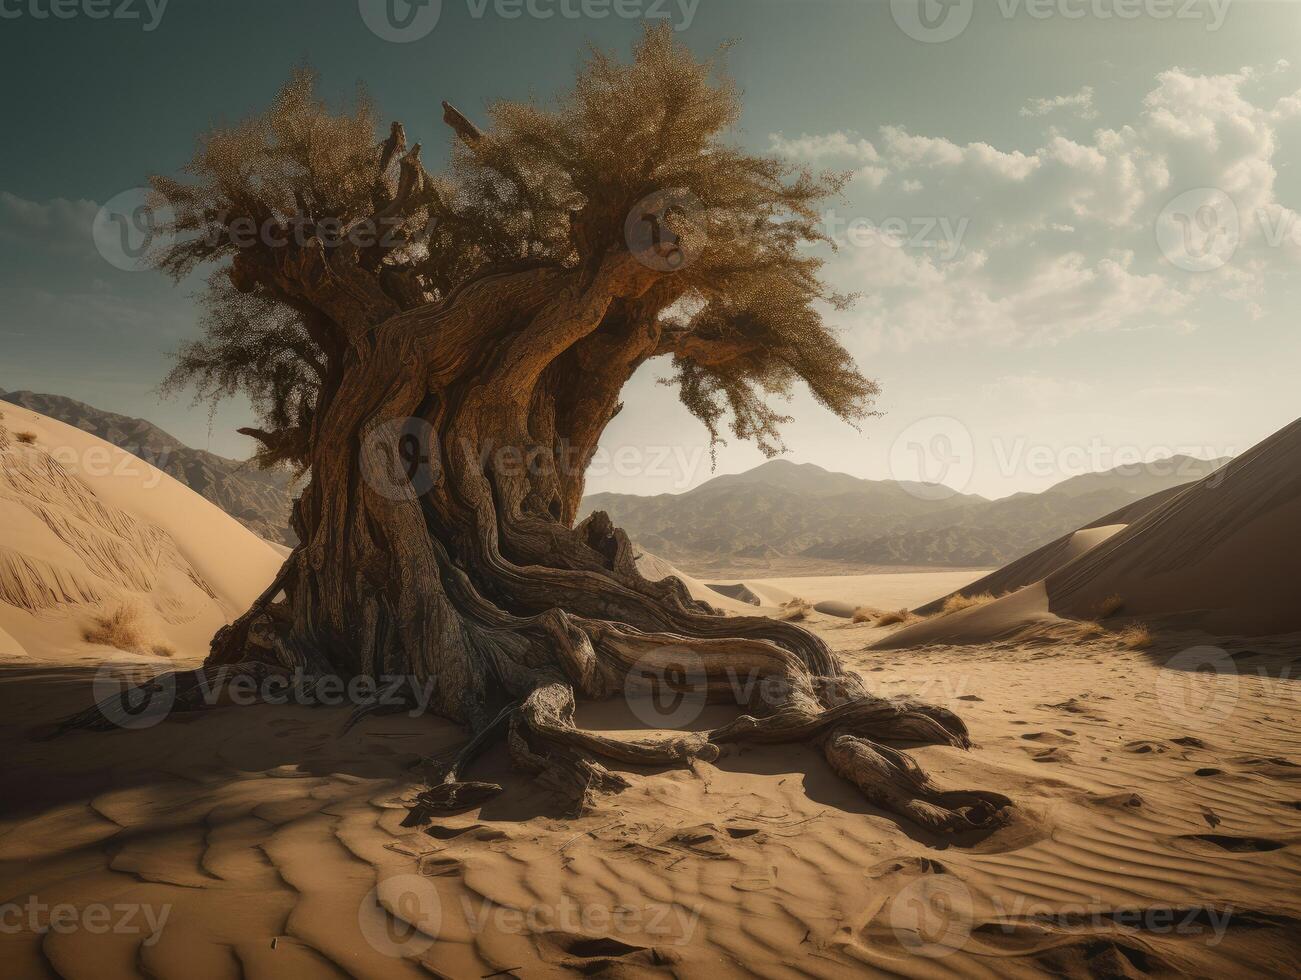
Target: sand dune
column 1152, row 837
column 1147, row 843
column 1222, row 555
column 90, row 528
column 1042, row 562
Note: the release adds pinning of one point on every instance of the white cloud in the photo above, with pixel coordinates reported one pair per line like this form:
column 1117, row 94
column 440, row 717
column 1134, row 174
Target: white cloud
column 1035, row 390
column 1079, row 103
column 1061, row 239
column 60, row 225
column 834, row 144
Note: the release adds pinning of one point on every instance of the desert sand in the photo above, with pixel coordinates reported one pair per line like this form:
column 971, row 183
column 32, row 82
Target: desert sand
column 90, row 528
column 1157, row 827
column 836, row 595
column 1219, row 556
column 263, row 831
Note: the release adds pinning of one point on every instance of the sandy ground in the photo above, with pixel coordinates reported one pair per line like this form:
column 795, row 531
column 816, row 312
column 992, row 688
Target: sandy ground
column 1158, row 832
column 882, row 590
column 1157, row 827
column 89, row 529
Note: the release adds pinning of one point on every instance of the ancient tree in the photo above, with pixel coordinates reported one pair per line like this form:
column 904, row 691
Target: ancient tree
column 439, row 355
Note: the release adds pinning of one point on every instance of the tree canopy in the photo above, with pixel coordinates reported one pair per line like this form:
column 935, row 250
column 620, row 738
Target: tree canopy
column 321, row 228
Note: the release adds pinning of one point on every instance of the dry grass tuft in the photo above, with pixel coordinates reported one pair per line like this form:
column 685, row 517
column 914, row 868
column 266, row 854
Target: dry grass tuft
column 897, row 616
column 1135, row 637
column 795, row 609
column 124, row 629
column 959, row 601
column 1109, row 606
column 26, row 438
column 864, row 615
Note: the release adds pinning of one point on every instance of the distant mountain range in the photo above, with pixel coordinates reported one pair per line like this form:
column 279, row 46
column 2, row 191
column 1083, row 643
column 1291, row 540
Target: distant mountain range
column 785, row 510
column 258, row 499
column 775, row 512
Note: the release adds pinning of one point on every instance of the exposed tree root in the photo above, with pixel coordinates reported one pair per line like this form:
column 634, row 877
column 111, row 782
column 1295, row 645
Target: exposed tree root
column 785, row 679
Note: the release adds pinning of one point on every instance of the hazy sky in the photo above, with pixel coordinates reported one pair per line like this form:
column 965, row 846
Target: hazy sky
column 1070, row 222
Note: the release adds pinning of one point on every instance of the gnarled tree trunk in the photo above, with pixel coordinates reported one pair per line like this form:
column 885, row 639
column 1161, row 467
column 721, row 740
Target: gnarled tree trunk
column 446, row 383
column 436, row 535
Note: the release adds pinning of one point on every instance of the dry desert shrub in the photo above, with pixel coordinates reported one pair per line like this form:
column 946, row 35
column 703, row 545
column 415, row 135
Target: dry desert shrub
column 1109, row 606
column 897, row 616
column 123, row 628
column 794, row 610
column 864, row 615
column 26, row 438
column 959, row 601
column 1135, row 637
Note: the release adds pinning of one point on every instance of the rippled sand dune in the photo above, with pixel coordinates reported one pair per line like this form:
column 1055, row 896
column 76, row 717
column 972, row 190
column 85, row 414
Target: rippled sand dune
column 1157, row 833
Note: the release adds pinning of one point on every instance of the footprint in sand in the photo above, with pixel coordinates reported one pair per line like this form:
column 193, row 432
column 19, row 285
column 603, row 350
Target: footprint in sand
column 1239, row 845
column 1130, row 801
column 1049, row 738
column 1145, row 747
column 1053, row 753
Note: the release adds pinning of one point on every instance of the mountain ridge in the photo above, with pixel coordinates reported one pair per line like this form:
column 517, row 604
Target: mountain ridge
column 258, row 499
column 782, row 509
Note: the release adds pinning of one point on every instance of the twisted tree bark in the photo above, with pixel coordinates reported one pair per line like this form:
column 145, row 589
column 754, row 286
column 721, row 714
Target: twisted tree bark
column 446, row 384
column 436, row 543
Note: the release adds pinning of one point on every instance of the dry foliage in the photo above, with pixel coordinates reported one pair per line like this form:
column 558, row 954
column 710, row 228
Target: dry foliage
column 865, row 615
column 1136, row 637
column 796, row 609
column 540, row 186
column 958, row 601
column 1110, row 605
column 124, row 629
column 897, row 616
column 26, row 438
